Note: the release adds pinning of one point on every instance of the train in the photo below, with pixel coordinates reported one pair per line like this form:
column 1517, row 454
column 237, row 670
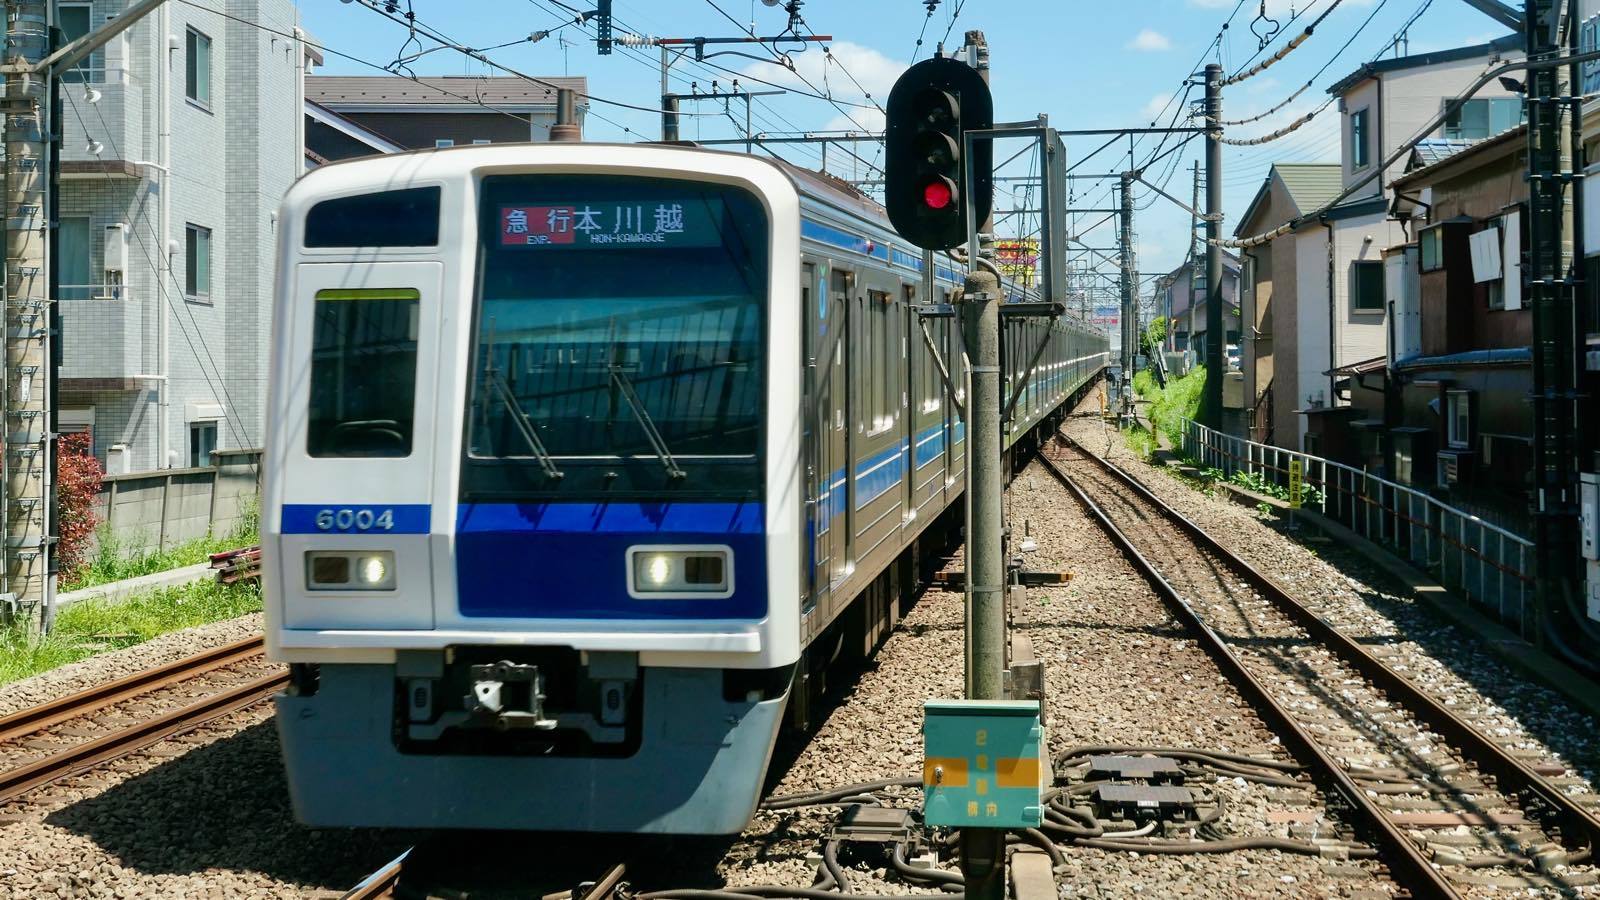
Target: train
column 584, row 461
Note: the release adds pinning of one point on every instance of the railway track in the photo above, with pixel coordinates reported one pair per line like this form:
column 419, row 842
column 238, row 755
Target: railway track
column 1448, row 807
column 390, row 883
column 77, row 732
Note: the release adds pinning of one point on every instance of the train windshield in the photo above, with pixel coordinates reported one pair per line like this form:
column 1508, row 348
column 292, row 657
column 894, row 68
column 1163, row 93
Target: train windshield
column 618, row 337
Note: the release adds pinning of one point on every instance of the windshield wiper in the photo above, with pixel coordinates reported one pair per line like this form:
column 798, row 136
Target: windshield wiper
column 643, row 415
column 519, row 417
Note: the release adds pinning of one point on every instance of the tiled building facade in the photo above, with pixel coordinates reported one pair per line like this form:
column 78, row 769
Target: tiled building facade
column 165, row 249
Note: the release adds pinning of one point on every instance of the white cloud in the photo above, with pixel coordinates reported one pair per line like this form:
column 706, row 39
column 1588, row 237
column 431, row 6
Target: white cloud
column 875, row 72
column 1150, row 40
column 1153, row 107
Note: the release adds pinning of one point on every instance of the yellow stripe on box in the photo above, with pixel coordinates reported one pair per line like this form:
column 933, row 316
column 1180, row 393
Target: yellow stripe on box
column 951, row 772
column 1017, row 772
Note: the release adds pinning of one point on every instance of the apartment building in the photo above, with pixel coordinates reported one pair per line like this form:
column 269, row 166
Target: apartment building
column 179, row 139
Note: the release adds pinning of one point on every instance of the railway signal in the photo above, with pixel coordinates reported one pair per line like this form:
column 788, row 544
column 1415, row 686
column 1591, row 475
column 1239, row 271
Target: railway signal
column 925, row 171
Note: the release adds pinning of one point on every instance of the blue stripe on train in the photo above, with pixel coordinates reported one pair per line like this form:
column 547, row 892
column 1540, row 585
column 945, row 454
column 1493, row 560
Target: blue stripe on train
column 569, row 560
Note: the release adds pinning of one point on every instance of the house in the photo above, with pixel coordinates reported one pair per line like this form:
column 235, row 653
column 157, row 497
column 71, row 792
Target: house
column 1445, row 406
column 1338, row 289
column 179, row 137
column 1182, row 299
column 349, row 116
column 1268, row 303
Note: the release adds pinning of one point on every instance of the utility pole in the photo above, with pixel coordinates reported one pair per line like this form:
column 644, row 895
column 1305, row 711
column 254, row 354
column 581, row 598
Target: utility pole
column 1211, row 398
column 26, row 437
column 983, row 850
column 1552, row 289
column 1129, row 321
column 669, row 103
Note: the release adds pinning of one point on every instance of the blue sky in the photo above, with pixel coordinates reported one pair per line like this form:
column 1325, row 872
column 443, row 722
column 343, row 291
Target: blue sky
column 1085, row 63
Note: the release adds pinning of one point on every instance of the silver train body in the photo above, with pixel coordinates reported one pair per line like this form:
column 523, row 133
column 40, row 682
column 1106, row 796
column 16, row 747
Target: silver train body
column 583, row 460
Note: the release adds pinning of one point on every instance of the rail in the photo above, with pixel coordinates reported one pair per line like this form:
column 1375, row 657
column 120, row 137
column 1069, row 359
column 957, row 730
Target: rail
column 1491, row 566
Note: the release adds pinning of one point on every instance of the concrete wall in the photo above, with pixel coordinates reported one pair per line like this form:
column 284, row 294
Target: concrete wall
column 153, row 510
column 1310, row 332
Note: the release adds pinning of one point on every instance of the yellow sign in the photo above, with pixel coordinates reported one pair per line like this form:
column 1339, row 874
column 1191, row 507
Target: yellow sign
column 1294, row 484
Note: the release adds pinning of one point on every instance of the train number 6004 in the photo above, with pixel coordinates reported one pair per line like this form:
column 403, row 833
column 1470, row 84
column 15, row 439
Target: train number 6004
column 355, row 519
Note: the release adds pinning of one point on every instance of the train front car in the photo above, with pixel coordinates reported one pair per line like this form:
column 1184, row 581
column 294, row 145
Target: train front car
column 532, row 495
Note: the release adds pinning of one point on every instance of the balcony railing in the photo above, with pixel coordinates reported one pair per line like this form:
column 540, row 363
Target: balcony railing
column 1492, row 566
column 91, row 292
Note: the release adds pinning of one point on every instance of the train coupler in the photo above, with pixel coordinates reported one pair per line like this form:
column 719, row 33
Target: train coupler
column 509, row 695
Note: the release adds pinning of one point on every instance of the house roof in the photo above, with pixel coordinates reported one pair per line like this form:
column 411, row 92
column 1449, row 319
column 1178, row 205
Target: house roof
column 378, row 141
column 1431, row 150
column 1505, row 141
column 1309, row 186
column 1512, row 42
column 351, row 93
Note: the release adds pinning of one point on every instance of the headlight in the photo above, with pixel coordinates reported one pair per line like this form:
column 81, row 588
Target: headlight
column 665, row 573
column 357, row 570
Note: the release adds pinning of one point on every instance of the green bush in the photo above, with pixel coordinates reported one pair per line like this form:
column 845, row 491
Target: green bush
column 1141, row 441
column 1178, row 401
column 1144, row 383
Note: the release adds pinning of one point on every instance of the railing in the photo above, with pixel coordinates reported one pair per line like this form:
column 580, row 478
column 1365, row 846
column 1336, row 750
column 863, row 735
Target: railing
column 90, row 291
column 1492, row 566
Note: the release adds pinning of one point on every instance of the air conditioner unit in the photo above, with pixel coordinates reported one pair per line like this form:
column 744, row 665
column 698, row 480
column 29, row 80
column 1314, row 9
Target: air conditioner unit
column 1455, row 467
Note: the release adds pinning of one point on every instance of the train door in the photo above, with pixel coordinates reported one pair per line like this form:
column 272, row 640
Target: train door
column 817, row 421
column 836, row 402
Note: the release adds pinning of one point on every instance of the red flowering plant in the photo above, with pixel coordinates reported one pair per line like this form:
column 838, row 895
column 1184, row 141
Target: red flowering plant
column 78, row 476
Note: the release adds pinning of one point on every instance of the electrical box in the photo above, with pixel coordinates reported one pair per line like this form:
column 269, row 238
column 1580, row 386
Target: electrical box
column 985, row 763
column 116, row 259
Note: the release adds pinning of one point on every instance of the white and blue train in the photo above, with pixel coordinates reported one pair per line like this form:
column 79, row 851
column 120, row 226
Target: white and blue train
column 584, row 461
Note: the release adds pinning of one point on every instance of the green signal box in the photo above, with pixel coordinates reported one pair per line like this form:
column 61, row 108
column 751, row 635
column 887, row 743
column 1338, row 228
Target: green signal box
column 985, row 763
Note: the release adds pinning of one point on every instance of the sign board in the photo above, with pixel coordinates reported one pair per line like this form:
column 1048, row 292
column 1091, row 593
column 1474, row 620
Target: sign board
column 984, row 763
column 1018, row 259
column 1294, row 483
column 579, row 226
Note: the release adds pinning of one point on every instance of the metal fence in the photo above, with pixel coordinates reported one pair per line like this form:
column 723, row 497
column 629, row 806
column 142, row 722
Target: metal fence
column 1490, row 565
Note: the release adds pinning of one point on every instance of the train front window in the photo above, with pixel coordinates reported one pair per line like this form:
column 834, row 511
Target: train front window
column 618, row 337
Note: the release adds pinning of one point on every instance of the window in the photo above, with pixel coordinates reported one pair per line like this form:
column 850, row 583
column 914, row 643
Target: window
column 405, row 218
column 197, row 261
column 1478, row 119
column 197, row 68
column 202, row 440
column 444, row 142
column 73, row 20
column 1430, row 243
column 480, row 140
column 1366, row 286
column 1458, row 419
column 72, row 255
column 363, row 372
column 1359, row 154
column 880, row 339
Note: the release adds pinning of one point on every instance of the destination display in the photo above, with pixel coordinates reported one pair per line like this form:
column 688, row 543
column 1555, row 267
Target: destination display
column 611, row 224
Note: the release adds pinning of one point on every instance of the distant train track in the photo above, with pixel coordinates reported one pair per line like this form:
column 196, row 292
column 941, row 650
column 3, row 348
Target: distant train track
column 1333, row 701
column 69, row 735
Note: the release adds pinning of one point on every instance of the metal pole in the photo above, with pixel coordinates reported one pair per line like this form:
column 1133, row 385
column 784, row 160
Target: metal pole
column 1128, row 322
column 27, row 304
column 669, row 103
column 1552, row 294
column 1211, row 400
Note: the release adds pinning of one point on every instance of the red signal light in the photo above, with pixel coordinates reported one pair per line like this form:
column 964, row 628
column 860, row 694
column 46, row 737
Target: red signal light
column 937, row 194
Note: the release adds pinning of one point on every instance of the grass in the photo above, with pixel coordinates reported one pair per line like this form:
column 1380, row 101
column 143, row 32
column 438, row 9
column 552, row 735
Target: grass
column 95, row 626
column 1141, row 441
column 1179, row 400
column 113, row 562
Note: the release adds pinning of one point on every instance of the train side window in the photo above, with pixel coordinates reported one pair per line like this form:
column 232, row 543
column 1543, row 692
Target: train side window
column 363, row 373
column 879, row 315
column 403, row 218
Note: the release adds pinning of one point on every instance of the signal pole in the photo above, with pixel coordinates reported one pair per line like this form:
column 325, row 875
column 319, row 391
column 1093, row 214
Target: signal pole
column 26, row 437
column 1211, row 398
